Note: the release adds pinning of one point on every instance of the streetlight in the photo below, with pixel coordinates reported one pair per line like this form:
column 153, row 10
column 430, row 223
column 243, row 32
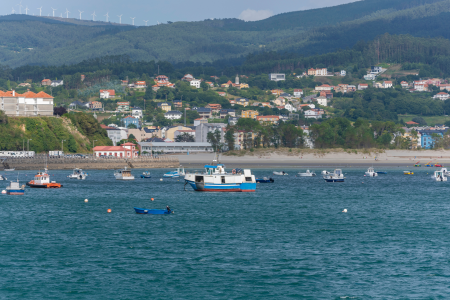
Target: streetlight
column 93, row 146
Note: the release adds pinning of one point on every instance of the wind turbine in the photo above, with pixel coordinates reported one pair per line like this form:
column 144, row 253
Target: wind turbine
column 81, row 13
column 26, row 10
column 20, row 7
column 146, row 22
column 54, row 11
column 67, row 13
column 107, row 16
column 93, row 16
column 13, row 11
column 120, row 19
column 40, row 11
column 133, row 19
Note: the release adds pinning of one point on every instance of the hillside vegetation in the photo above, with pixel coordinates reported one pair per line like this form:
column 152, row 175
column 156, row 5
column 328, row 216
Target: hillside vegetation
column 46, row 133
column 43, row 41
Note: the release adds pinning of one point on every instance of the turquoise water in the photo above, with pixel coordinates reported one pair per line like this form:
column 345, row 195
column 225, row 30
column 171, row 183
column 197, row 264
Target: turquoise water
column 288, row 240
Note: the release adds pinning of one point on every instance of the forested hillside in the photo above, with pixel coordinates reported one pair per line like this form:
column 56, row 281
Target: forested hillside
column 43, row 41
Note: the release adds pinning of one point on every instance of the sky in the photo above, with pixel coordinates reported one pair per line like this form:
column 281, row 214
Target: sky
column 163, row 11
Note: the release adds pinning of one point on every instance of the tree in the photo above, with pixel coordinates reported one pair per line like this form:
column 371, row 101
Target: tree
column 131, row 136
column 149, row 94
column 229, row 137
column 185, row 138
column 214, row 139
column 131, row 126
column 72, row 144
column 419, row 120
column 59, row 111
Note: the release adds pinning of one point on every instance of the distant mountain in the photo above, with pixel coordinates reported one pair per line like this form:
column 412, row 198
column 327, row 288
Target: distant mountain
column 56, row 41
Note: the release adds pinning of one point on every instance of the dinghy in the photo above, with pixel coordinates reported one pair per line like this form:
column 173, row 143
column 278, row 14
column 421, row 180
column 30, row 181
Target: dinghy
column 282, row 173
column 153, row 211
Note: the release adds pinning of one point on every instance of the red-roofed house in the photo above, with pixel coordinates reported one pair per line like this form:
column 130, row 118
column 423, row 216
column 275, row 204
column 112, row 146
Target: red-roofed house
column 106, row 94
column 268, row 119
column 47, row 82
column 298, row 92
column 215, row 108
column 127, row 150
column 441, row 96
column 27, row 104
column 404, row 84
column 411, row 123
column 387, row 84
column 324, row 87
column 140, row 85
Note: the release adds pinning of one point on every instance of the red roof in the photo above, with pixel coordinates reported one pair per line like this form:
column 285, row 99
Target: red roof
column 110, row 148
column 111, row 92
column 412, row 123
column 128, row 144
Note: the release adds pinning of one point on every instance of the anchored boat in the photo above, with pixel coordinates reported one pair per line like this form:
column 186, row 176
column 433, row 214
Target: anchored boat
column 175, row 174
column 408, row 173
column 307, row 174
column 153, row 211
column 14, row 188
column 282, row 173
column 439, row 176
column 216, row 179
column 124, row 174
column 3, row 178
column 264, row 180
column 146, row 174
column 42, row 180
column 336, row 176
column 78, row 174
column 371, row 172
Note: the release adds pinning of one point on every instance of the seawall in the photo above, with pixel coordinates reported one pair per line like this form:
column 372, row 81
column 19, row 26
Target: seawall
column 91, row 163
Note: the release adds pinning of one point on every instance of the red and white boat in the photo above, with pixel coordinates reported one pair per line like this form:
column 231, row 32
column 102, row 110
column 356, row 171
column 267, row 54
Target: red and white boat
column 42, row 180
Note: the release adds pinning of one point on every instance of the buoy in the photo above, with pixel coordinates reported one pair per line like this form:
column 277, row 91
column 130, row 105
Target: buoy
column 109, row 210
column 3, row 192
column 345, row 210
column 86, row 200
column 153, row 199
column 160, row 179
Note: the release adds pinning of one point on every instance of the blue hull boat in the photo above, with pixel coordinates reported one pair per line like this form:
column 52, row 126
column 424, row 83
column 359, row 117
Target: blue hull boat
column 146, row 176
column 152, row 211
column 382, row 172
column 264, row 180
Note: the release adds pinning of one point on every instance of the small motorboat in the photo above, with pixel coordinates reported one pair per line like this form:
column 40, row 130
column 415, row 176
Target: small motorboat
column 408, row 173
column 14, row 188
column 3, row 178
column 282, row 173
column 265, row 180
column 381, row 172
column 175, row 174
column 146, row 174
column 336, row 176
column 307, row 174
column 371, row 172
column 78, row 174
column 153, row 211
column 9, row 170
column 124, row 174
column 439, row 176
column 42, row 180
column 417, row 164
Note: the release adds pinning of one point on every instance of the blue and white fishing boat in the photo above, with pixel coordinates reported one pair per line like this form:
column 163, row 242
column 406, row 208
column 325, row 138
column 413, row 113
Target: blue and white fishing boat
column 175, row 174
column 336, row 176
column 216, row 179
column 146, row 174
column 14, row 188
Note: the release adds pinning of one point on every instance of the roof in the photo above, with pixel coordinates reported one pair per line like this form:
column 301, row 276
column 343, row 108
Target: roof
column 412, row 123
column 110, row 148
column 128, row 144
column 173, row 112
column 123, row 103
column 127, row 117
column 203, row 109
column 174, row 144
column 442, row 93
column 111, row 92
column 265, row 117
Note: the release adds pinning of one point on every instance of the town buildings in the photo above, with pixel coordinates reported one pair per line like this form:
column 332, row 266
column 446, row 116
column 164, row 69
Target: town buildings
column 123, row 106
column 27, row 105
column 127, row 150
column 277, row 76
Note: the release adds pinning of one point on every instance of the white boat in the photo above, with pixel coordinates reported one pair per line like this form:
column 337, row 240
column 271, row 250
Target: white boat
column 325, row 172
column 216, row 179
column 3, row 178
column 445, row 172
column 175, row 174
column 439, row 176
column 9, row 170
column 282, row 173
column 124, row 174
column 336, row 176
column 78, row 174
column 307, row 174
column 371, row 172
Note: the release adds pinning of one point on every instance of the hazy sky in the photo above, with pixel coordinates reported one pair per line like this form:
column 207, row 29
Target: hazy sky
column 168, row 10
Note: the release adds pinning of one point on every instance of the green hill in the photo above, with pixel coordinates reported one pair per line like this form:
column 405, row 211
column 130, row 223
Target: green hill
column 30, row 40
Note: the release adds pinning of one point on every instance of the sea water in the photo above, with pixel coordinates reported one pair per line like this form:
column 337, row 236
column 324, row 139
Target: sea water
column 288, row 240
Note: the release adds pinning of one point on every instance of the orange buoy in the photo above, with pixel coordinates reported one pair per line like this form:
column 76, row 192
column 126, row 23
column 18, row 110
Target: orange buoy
column 109, row 210
column 153, row 199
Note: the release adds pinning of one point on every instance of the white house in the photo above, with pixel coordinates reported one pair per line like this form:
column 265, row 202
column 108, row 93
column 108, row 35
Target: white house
column 56, row 83
column 404, row 84
column 277, row 76
column 343, row 73
column 311, row 114
column 106, row 94
column 370, row 77
column 173, row 115
column 322, row 101
column 324, row 87
column 322, row 72
column 298, row 93
column 137, row 112
column 387, row 84
column 362, row 86
column 196, row 83
column 290, row 107
column 441, row 96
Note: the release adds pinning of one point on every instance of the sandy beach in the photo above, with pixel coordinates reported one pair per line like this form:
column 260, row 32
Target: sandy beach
column 389, row 158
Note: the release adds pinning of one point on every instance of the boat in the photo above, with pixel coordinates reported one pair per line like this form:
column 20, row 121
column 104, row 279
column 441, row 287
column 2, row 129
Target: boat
column 408, row 173
column 381, row 172
column 9, row 170
column 146, row 174
column 336, row 176
column 216, row 179
column 124, row 174
column 325, row 172
column 175, row 174
column 153, row 211
column 78, row 174
column 14, row 188
column 417, row 164
column 445, row 172
column 371, row 172
column 264, row 180
column 439, row 176
column 3, row 178
column 42, row 180
column 438, row 165
column 307, row 174
column 282, row 173
column 429, row 164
